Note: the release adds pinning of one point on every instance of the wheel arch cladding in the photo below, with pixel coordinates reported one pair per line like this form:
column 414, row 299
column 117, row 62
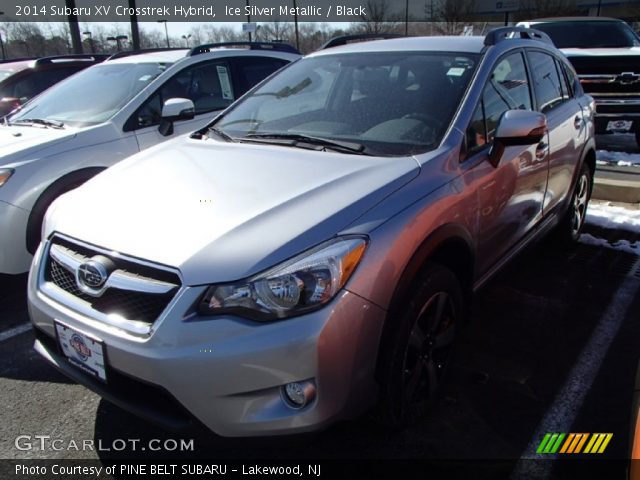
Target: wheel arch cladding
column 60, row 186
column 451, row 246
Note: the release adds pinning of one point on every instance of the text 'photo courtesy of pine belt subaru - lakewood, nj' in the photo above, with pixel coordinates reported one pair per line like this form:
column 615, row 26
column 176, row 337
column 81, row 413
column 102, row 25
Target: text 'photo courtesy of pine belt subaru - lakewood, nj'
column 105, row 113
column 310, row 254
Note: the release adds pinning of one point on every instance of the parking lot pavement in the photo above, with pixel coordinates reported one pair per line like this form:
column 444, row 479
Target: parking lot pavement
column 551, row 315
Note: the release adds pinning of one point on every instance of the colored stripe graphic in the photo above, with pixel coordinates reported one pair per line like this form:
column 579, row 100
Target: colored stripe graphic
column 574, row 443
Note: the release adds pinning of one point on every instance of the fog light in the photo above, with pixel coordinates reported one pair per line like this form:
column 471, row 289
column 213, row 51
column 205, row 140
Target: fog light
column 299, row 394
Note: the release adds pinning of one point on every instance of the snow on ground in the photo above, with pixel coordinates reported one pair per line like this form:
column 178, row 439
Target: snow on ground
column 613, row 217
column 608, row 215
column 620, row 245
column 621, row 159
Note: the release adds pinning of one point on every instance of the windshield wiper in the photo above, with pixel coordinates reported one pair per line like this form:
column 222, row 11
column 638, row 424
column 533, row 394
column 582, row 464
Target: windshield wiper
column 39, row 121
column 294, row 139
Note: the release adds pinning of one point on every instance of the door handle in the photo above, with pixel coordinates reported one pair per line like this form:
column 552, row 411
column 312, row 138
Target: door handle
column 577, row 122
column 542, row 150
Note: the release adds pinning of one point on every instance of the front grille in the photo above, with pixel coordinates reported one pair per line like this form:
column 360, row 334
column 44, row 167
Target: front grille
column 621, row 108
column 131, row 305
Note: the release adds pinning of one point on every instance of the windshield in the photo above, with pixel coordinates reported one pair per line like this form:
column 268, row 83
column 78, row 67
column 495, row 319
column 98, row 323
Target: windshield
column 586, row 34
column 92, row 96
column 390, row 103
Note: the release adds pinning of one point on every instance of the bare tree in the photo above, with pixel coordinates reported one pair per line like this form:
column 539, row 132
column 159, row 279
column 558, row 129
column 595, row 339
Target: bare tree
column 280, row 31
column 453, row 15
column 379, row 18
column 548, row 8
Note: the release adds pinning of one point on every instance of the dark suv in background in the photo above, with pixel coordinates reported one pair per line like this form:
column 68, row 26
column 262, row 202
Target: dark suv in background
column 24, row 79
column 606, row 54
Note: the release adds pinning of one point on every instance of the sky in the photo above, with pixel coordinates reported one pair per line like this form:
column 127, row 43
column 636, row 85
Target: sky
column 177, row 29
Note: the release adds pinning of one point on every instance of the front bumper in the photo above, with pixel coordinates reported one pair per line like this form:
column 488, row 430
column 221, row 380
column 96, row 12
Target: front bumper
column 616, row 110
column 228, row 372
column 14, row 257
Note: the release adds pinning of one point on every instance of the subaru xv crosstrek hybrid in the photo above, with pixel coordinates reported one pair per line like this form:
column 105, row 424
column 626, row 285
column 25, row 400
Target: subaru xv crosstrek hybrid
column 310, row 254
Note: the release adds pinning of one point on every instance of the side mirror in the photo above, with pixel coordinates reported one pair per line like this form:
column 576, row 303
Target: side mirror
column 8, row 104
column 517, row 127
column 173, row 110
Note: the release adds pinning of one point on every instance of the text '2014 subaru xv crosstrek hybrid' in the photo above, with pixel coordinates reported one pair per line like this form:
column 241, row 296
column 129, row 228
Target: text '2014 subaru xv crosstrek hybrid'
column 309, row 254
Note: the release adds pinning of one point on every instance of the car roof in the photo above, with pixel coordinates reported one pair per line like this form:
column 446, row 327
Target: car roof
column 571, row 19
column 15, row 66
column 469, row 44
column 172, row 56
column 162, row 56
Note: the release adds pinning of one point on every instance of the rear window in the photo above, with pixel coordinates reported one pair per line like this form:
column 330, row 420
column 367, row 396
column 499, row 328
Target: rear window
column 587, row 34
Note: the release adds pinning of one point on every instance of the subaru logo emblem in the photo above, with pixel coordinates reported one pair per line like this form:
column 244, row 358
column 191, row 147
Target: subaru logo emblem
column 91, row 275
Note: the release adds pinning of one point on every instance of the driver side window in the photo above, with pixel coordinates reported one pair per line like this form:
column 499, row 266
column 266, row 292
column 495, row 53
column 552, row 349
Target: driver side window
column 208, row 85
column 506, row 89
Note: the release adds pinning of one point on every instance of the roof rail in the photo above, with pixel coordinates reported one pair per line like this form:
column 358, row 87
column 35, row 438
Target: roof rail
column 274, row 46
column 93, row 57
column 500, row 34
column 130, row 53
column 361, row 37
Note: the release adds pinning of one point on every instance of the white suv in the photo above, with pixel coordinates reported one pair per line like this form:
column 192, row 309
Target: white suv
column 106, row 113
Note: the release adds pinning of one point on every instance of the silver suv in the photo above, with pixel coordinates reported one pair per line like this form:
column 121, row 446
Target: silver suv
column 309, row 255
column 106, row 113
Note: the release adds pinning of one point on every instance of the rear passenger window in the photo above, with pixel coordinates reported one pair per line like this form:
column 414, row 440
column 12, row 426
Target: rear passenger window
column 572, row 79
column 563, row 82
column 546, row 81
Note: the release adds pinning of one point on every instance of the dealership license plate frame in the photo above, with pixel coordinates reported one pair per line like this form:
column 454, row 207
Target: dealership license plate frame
column 93, row 364
column 621, row 126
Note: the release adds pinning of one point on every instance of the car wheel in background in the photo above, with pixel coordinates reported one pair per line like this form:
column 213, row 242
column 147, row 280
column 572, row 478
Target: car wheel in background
column 568, row 231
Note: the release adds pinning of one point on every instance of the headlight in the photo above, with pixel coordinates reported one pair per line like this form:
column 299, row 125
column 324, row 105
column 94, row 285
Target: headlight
column 5, row 173
column 303, row 283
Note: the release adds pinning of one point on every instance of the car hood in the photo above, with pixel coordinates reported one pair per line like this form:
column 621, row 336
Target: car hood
column 20, row 142
column 221, row 211
column 601, row 52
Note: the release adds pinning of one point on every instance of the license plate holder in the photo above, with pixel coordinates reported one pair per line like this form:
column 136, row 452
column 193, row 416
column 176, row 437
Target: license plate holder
column 619, row 125
column 82, row 350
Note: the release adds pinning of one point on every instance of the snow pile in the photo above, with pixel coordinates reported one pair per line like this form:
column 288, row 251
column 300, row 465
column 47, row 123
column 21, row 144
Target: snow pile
column 621, row 159
column 605, row 215
column 613, row 217
column 620, row 245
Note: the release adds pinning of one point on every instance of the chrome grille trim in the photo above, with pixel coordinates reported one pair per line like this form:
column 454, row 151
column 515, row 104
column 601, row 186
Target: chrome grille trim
column 120, row 279
column 83, row 310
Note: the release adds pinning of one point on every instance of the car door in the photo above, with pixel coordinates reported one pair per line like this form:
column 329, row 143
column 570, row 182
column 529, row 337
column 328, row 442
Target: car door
column 566, row 127
column 208, row 84
column 510, row 194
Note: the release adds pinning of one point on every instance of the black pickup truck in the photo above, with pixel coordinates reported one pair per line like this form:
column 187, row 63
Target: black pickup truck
column 606, row 55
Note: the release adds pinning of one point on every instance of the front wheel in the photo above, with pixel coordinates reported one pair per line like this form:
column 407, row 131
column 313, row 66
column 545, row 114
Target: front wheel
column 415, row 358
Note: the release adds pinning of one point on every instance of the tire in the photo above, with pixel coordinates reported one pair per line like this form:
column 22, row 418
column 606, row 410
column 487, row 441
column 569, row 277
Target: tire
column 415, row 358
column 568, row 231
